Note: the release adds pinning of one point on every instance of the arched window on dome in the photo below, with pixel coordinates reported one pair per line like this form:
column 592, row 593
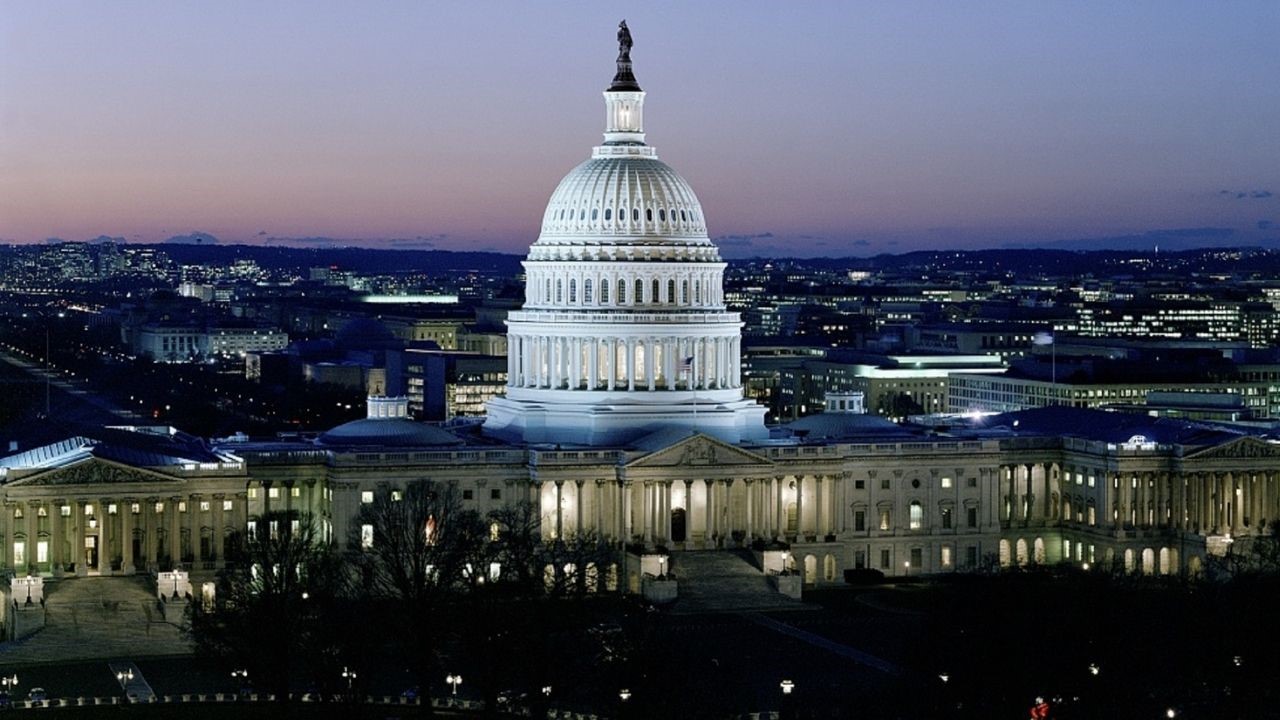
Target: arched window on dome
column 582, row 215
column 608, row 214
column 684, row 293
column 635, row 214
column 648, row 214
column 671, row 292
column 697, row 291
column 559, row 291
column 573, row 290
column 604, row 292
column 682, row 217
column 656, row 297
column 639, row 298
column 547, row 296
column 586, row 291
column 662, row 214
column 622, row 291
column 595, row 213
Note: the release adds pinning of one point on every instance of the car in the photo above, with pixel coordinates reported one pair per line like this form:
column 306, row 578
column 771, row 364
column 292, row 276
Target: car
column 38, row 696
column 5, row 700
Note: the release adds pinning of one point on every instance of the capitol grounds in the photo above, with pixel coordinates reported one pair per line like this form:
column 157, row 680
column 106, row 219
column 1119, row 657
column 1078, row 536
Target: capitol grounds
column 980, row 646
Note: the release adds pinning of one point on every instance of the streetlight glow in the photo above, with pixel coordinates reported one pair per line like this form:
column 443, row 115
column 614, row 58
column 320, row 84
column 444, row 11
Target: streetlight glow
column 787, row 686
column 455, row 681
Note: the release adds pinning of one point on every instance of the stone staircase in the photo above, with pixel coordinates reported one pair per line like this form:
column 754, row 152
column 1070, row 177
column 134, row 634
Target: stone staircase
column 724, row 581
column 98, row 617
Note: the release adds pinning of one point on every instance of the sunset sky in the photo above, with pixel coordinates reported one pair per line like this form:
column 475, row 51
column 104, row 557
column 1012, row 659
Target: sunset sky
column 836, row 128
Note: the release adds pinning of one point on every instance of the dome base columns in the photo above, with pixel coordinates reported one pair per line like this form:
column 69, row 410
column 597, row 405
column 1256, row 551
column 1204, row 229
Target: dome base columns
column 612, row 424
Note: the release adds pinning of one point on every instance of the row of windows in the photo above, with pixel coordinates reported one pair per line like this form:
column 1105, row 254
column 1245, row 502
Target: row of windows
column 113, row 508
column 944, row 483
column 366, row 496
column 915, row 518
column 683, row 215
column 554, row 291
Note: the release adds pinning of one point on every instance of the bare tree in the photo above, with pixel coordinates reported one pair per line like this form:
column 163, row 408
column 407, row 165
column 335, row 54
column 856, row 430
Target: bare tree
column 270, row 614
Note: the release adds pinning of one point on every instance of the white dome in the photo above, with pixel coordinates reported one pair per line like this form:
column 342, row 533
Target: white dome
column 636, row 199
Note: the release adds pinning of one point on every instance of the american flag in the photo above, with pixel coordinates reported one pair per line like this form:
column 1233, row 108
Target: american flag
column 686, row 365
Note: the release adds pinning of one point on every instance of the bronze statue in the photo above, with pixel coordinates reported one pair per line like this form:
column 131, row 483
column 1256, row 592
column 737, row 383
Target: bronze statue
column 624, row 42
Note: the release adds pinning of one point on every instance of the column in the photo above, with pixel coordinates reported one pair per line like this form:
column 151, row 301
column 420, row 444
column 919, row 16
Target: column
column 819, row 508
column 175, row 530
column 709, row 513
column 57, row 537
column 194, row 525
column 688, row 513
column 613, row 362
column 593, row 361
column 33, row 532
column 666, row 512
column 575, row 363
column 126, row 536
column 216, row 532
column 77, row 552
column 779, row 507
column 624, row 510
column 799, row 507
column 597, row 500
column 559, row 510
column 749, row 488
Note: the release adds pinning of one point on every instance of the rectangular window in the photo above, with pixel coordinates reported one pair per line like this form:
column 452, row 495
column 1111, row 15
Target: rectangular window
column 971, row 556
column 295, row 492
column 946, row 556
column 252, row 528
column 917, row 558
column 273, row 493
column 972, row 482
column 884, row 484
column 227, row 506
column 971, row 517
column 859, row 559
column 946, row 482
column 366, row 496
column 204, row 506
column 88, row 509
column 182, row 506
column 19, row 554
column 1066, row 549
column 135, row 508
column 1090, row 481
column 253, row 493
column 42, row 551
column 366, row 537
column 859, row 484
column 859, row 520
column 273, row 527
column 495, row 494
column 1093, row 516
column 396, row 496
column 294, row 526
column 884, row 519
column 111, row 509
column 946, row 518
column 884, row 559
column 159, row 508
column 468, row 495
column 65, row 511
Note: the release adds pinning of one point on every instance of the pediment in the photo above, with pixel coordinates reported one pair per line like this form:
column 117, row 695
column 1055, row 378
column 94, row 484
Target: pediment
column 1246, row 448
column 92, row 471
column 700, row 451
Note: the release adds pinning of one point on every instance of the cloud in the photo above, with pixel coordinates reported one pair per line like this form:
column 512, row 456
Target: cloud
column 741, row 240
column 194, row 238
column 104, row 238
column 262, row 233
column 1168, row 239
column 1245, row 194
column 863, row 243
column 1264, row 224
column 319, row 241
column 423, row 242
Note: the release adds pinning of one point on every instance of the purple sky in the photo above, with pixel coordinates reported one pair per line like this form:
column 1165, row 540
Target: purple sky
column 822, row 128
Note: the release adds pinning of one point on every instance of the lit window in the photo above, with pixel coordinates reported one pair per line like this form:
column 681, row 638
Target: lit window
column 366, row 496
column 65, row 510
column 366, row 537
column 19, row 553
column 946, row 482
column 226, row 505
column 273, row 493
column 253, row 528
column 884, row 519
column 396, row 496
column 111, row 509
column 182, row 506
column 916, row 515
column 294, row 526
column 135, row 508
column 159, row 508
column 253, row 493
column 946, row 556
column 295, row 492
column 273, row 526
column 204, row 506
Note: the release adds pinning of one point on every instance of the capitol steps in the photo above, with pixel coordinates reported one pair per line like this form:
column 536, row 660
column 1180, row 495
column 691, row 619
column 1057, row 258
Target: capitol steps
column 724, row 581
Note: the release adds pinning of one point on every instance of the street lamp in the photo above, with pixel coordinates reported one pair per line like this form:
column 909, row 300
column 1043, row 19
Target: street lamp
column 546, row 689
column 349, row 675
column 124, row 677
column 1094, row 669
column 787, row 686
column 944, row 677
column 624, row 694
column 456, row 680
column 10, row 681
column 1170, row 713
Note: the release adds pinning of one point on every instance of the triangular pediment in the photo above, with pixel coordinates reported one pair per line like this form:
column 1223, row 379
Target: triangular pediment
column 93, row 471
column 702, row 451
column 1245, row 448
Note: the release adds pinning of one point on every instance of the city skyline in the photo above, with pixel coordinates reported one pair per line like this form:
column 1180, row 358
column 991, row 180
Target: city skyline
column 886, row 129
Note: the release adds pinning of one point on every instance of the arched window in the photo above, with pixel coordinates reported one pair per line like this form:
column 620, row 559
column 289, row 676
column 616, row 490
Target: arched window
column 916, row 519
column 648, row 215
column 662, row 214
column 586, row 290
column 639, row 298
column 682, row 217
column 547, row 296
column 595, row 213
column 697, row 291
column 608, row 214
column 654, row 298
column 684, row 292
column 604, row 291
column 582, row 215
column 671, row 291
column 573, row 290
column 635, row 214
column 622, row 291
column 559, row 291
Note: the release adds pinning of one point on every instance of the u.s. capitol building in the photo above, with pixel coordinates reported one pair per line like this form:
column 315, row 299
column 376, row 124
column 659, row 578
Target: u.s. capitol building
column 624, row 414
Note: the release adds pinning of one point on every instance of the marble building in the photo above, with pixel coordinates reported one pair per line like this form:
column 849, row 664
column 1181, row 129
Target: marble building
column 624, row 414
